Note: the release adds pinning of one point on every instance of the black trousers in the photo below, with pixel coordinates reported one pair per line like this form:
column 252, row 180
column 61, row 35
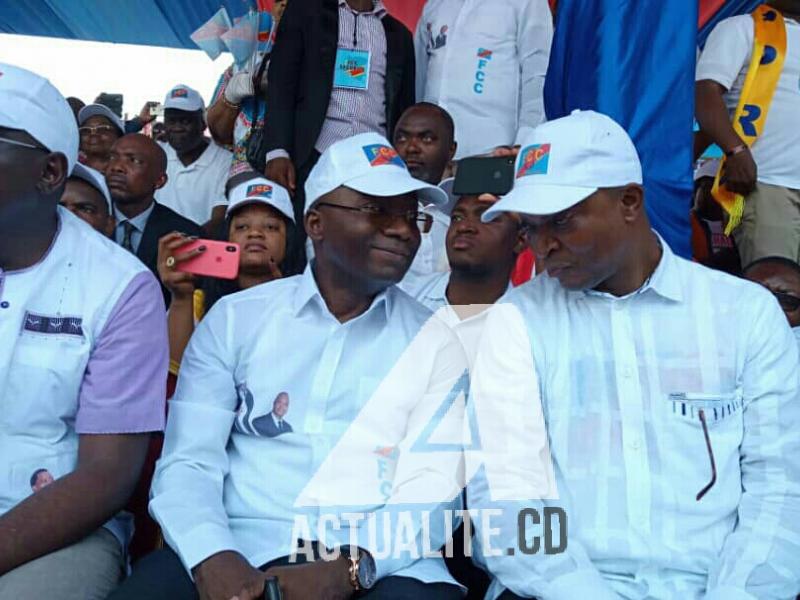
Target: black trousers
column 296, row 250
column 161, row 576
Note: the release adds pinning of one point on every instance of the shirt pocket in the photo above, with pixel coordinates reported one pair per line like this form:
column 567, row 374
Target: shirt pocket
column 724, row 420
column 39, row 469
column 44, row 380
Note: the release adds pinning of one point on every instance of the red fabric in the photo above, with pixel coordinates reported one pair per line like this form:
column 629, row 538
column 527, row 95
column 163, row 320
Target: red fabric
column 407, row 11
column 708, row 8
column 524, row 268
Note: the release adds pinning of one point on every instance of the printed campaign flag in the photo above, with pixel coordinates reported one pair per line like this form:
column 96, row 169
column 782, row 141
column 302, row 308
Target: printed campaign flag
column 242, row 40
column 208, row 36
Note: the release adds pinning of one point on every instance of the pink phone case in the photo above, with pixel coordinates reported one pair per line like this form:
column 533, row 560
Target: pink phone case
column 220, row 260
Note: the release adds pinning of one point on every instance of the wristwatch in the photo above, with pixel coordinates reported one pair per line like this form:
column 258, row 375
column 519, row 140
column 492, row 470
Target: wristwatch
column 362, row 567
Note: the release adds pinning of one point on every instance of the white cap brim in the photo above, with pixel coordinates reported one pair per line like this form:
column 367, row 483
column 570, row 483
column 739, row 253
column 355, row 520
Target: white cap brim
column 397, row 182
column 539, row 200
column 255, row 200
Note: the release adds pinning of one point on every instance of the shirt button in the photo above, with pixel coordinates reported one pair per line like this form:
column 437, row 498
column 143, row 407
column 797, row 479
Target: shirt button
column 627, row 371
column 4, row 304
column 636, row 443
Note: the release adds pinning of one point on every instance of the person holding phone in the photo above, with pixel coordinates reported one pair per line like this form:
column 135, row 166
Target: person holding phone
column 260, row 220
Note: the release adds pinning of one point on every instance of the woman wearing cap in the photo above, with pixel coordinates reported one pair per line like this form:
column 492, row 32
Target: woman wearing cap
column 260, row 220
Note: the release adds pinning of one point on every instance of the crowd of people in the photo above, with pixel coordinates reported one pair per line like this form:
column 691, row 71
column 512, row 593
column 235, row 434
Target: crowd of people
column 371, row 376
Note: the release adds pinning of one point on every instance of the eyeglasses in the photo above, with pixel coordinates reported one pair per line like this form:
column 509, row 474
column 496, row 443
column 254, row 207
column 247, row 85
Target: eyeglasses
column 788, row 302
column 22, row 144
column 382, row 217
column 86, row 131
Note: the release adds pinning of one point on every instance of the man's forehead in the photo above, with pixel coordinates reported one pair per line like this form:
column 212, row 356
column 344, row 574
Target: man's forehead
column 420, row 119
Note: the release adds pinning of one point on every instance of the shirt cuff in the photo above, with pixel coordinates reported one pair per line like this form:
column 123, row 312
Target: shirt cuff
column 585, row 583
column 279, row 153
column 728, row 592
column 200, row 543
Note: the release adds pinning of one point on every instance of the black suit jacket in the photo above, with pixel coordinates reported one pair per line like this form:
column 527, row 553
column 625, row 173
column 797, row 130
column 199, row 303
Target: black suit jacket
column 300, row 77
column 162, row 221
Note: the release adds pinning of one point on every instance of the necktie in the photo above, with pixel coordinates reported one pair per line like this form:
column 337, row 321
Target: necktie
column 128, row 229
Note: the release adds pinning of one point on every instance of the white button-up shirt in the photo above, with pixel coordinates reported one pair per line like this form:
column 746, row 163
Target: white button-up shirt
column 620, row 382
column 194, row 190
column 361, row 395
column 484, row 62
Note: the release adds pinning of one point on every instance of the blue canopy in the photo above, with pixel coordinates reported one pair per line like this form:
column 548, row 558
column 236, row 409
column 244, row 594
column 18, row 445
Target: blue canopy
column 150, row 22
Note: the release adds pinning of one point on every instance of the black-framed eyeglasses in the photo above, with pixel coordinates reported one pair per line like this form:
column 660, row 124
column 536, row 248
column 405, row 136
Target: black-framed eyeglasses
column 86, row 130
column 788, row 302
column 11, row 142
column 381, row 216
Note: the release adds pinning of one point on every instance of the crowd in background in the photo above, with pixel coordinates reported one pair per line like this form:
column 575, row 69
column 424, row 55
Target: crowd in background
column 331, row 166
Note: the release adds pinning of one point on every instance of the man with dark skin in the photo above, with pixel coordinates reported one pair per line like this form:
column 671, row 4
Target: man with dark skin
column 765, row 174
column 100, row 452
column 637, row 358
column 780, row 276
column 425, row 139
column 136, row 169
column 183, row 131
column 364, row 242
column 86, row 196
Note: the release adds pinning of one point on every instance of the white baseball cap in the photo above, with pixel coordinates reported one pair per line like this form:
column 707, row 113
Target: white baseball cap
column 95, row 179
column 100, row 110
column 182, row 97
column 564, row 161
column 261, row 191
column 32, row 104
column 368, row 164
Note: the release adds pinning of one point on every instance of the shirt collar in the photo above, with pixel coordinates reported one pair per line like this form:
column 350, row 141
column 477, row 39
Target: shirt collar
column 139, row 221
column 665, row 280
column 378, row 9
column 308, row 292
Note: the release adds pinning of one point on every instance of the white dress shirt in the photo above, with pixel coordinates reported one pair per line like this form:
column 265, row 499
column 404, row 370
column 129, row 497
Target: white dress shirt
column 620, row 382
column 361, row 395
column 492, row 96
column 194, row 190
column 432, row 293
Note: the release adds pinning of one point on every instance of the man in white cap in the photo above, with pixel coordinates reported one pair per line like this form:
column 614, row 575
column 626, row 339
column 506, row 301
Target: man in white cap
column 670, row 393
column 83, row 360
column 197, row 168
column 365, row 368
column 99, row 128
column 86, row 196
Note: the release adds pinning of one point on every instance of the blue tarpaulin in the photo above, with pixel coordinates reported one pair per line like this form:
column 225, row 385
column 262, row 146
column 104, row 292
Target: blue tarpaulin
column 149, row 22
column 634, row 61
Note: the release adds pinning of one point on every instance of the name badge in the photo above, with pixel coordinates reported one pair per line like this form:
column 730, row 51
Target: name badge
column 352, row 69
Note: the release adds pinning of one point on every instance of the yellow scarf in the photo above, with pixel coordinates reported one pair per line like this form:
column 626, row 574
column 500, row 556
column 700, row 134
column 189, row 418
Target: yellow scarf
column 769, row 52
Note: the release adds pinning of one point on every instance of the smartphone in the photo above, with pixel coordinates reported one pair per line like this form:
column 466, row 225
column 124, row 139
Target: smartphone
column 157, row 110
column 484, row 175
column 220, row 260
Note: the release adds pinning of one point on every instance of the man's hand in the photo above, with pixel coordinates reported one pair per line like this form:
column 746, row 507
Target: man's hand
column 228, row 575
column 281, row 171
column 144, row 115
column 740, row 173
column 324, row 580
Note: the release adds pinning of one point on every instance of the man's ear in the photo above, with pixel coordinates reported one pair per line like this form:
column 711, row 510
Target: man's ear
column 54, row 174
column 161, row 181
column 521, row 242
column 632, row 202
column 315, row 228
column 111, row 224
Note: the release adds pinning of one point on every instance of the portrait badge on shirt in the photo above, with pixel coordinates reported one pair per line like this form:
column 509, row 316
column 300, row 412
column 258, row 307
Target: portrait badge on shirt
column 352, row 69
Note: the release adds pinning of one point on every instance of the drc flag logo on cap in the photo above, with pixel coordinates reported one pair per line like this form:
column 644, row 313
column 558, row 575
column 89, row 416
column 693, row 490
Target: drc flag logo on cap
column 379, row 155
column 534, row 160
column 179, row 93
column 259, row 190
